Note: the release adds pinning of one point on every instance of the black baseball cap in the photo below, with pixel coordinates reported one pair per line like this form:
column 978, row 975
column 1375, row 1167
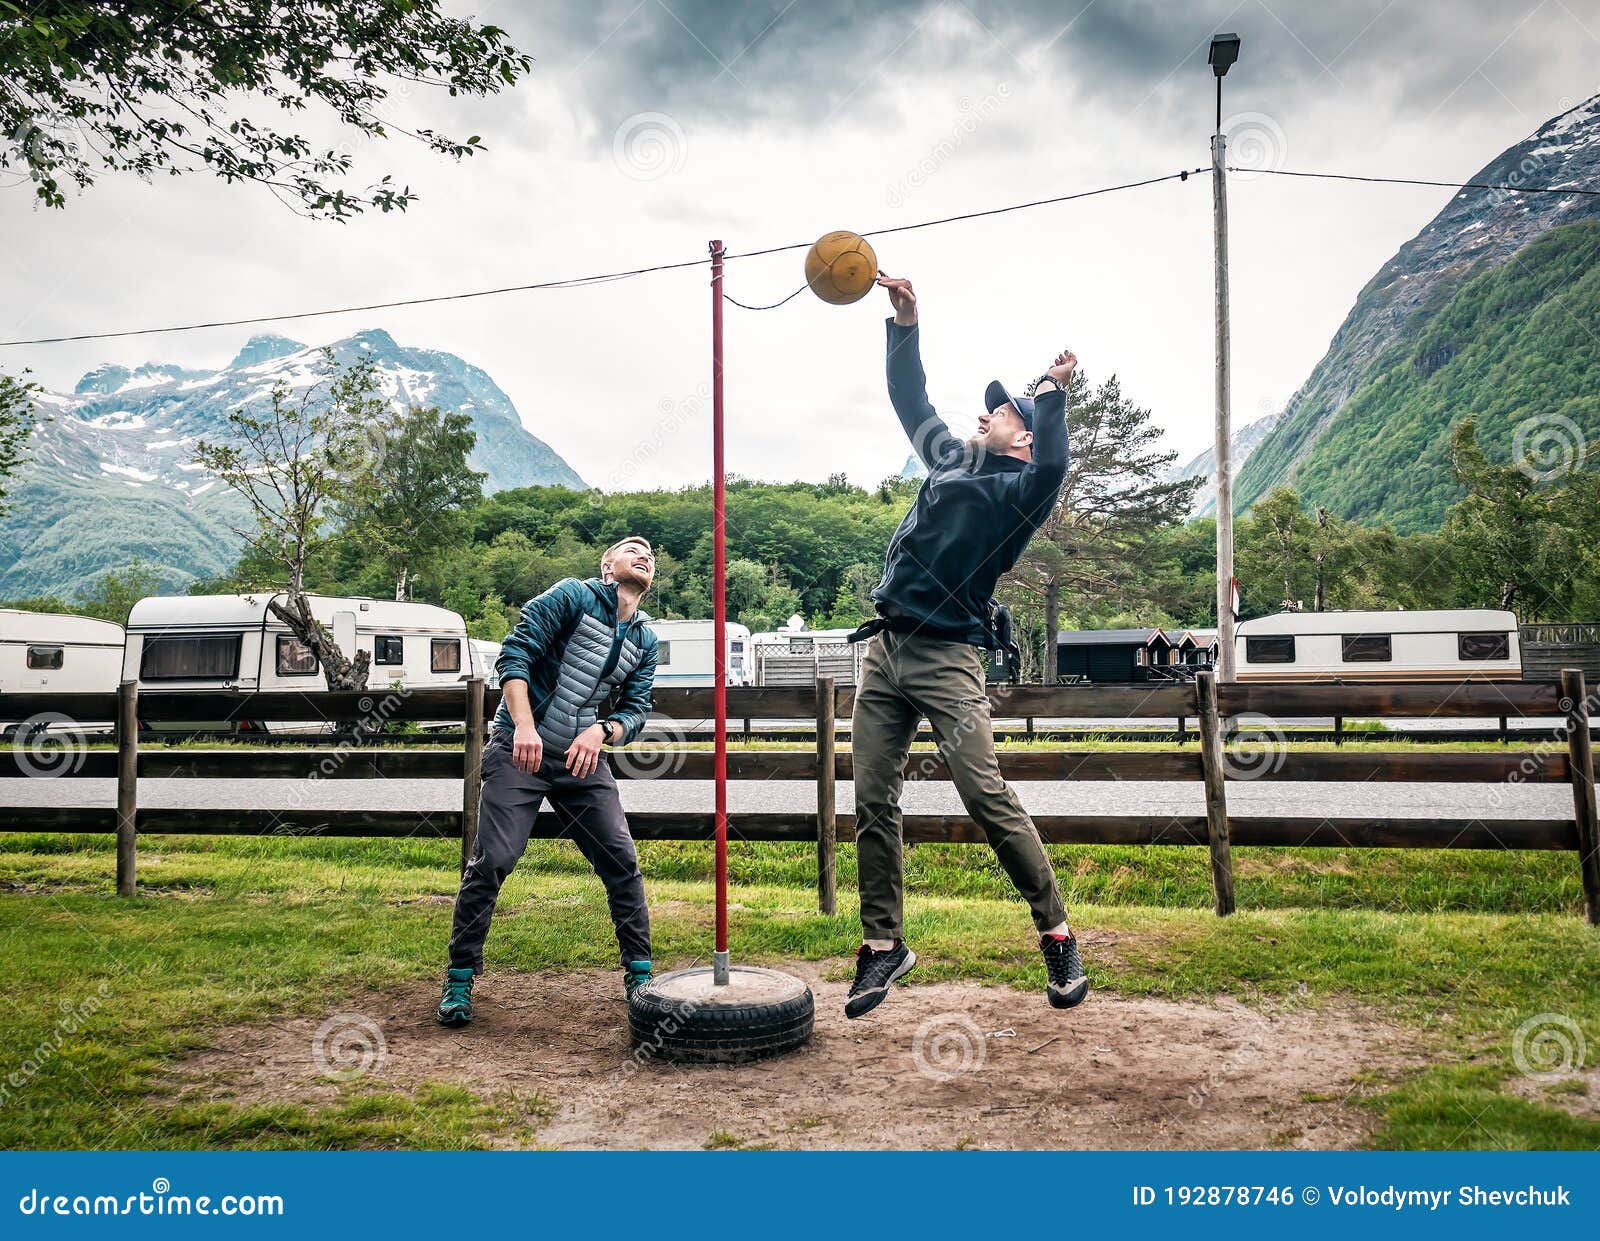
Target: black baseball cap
column 995, row 395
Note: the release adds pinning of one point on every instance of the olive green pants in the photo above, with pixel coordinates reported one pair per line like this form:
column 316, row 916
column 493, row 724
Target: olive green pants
column 904, row 677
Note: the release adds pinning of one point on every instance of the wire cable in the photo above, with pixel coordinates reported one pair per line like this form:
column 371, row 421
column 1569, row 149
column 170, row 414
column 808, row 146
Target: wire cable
column 773, row 306
column 581, row 281
column 1449, row 185
column 952, row 219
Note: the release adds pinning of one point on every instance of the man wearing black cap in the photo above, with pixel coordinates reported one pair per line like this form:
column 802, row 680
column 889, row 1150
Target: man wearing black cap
column 973, row 516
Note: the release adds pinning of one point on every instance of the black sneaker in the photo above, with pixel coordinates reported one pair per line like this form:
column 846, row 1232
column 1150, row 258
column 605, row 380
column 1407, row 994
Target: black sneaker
column 874, row 972
column 1068, row 983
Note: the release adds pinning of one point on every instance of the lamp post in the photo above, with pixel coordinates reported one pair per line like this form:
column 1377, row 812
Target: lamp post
column 1224, row 51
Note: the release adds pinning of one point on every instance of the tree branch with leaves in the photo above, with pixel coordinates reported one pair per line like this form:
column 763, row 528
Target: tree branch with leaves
column 154, row 86
column 289, row 464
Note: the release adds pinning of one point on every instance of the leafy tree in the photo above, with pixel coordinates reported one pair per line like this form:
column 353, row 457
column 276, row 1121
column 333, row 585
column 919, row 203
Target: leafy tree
column 152, row 86
column 413, row 499
column 853, row 604
column 1520, row 539
column 114, row 595
column 289, row 464
column 1273, row 549
column 1115, row 496
column 17, row 421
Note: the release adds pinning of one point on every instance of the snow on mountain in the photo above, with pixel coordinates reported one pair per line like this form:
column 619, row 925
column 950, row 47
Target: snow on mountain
column 122, row 431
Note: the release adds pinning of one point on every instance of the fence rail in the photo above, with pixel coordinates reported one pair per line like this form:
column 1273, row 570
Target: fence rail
column 1564, row 758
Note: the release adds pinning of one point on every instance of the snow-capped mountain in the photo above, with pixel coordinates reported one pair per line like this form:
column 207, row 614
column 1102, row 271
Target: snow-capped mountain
column 112, row 472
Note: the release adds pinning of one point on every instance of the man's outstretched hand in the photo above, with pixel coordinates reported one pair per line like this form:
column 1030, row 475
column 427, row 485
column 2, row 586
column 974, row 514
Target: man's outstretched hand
column 901, row 298
column 1061, row 369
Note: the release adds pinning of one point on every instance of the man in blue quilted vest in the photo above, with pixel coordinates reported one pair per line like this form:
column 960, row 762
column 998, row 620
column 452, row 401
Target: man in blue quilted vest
column 577, row 645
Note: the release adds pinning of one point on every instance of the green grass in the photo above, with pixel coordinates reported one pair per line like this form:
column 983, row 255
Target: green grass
column 1463, row 948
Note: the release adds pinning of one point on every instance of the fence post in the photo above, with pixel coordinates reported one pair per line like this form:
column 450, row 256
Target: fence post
column 472, row 769
column 127, row 787
column 1216, row 792
column 1580, row 758
column 827, row 818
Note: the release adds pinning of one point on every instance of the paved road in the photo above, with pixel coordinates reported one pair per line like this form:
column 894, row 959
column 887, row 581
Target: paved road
column 1086, row 797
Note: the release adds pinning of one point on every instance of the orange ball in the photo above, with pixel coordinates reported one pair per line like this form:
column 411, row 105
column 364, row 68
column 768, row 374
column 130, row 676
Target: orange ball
column 841, row 268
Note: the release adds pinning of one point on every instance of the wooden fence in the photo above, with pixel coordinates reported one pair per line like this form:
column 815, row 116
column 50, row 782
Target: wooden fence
column 1564, row 757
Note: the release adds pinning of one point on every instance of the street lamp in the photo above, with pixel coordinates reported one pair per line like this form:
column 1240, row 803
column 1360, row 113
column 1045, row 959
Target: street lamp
column 1224, row 51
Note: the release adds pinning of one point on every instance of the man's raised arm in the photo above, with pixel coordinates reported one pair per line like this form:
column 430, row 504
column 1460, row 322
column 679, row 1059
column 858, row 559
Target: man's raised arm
column 930, row 439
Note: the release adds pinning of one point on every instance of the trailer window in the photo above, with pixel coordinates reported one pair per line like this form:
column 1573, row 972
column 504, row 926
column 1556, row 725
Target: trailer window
column 446, row 655
column 295, row 658
column 388, row 649
column 45, row 658
column 663, row 654
column 1366, row 648
column 1274, row 650
column 1483, row 646
column 197, row 657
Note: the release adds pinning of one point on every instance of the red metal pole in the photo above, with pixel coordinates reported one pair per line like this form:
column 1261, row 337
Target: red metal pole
column 719, row 569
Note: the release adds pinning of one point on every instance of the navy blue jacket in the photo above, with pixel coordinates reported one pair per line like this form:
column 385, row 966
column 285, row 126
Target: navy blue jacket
column 974, row 513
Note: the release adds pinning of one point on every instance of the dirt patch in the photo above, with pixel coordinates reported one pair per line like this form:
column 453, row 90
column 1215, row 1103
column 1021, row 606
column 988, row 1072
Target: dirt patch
column 937, row 1066
column 1575, row 1091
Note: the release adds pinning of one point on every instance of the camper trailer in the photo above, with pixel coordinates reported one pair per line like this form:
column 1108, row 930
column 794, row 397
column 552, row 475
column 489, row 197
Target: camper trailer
column 1461, row 644
column 55, row 653
column 233, row 642
column 684, row 653
column 484, row 656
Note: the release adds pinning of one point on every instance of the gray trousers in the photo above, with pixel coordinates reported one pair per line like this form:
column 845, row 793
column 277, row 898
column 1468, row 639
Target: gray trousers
column 904, row 677
column 588, row 810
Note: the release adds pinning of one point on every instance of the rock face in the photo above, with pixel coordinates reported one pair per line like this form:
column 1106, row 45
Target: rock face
column 1478, row 233
column 112, row 475
column 1246, row 440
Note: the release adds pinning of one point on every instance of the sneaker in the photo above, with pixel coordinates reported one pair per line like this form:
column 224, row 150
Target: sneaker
column 1068, row 983
column 634, row 975
column 874, row 972
column 455, row 1006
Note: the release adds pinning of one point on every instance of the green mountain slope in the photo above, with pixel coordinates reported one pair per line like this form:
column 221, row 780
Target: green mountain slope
column 1518, row 345
column 1489, row 310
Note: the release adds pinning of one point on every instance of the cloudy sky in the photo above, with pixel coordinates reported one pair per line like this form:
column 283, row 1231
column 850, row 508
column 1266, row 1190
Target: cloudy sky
column 651, row 126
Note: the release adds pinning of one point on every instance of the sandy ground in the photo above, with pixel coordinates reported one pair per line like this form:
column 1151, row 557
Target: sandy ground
column 936, row 1066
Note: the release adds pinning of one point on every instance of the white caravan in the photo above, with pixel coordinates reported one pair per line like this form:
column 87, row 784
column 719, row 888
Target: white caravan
column 233, row 642
column 684, row 653
column 484, row 656
column 56, row 653
column 1425, row 645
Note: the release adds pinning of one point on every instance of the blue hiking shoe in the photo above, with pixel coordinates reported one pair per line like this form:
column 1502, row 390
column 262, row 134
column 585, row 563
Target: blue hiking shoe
column 634, row 975
column 455, row 1006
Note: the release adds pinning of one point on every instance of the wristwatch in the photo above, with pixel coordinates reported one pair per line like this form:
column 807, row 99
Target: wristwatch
column 1047, row 377
column 606, row 727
